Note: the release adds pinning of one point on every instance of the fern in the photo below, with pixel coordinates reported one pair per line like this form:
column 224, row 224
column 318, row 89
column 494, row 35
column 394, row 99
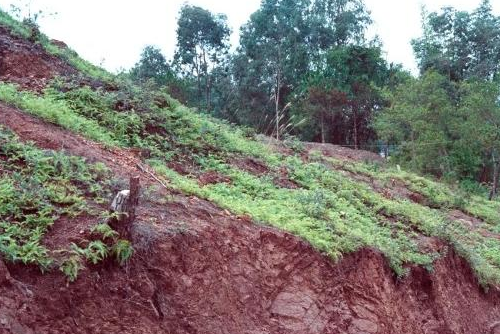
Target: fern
column 71, row 267
column 123, row 251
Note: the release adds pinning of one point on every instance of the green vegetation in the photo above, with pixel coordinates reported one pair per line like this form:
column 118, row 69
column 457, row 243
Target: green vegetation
column 36, row 189
column 335, row 214
column 338, row 215
column 54, row 112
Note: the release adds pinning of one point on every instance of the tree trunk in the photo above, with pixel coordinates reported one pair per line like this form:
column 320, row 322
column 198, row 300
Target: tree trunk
column 355, row 125
column 277, row 103
column 133, row 199
column 322, row 127
column 496, row 176
column 207, row 81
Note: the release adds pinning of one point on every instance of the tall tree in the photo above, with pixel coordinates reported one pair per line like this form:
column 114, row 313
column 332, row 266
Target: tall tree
column 152, row 65
column 338, row 23
column 459, row 44
column 280, row 41
column 421, row 120
column 480, row 124
column 445, row 128
column 273, row 43
column 352, row 76
column 202, row 41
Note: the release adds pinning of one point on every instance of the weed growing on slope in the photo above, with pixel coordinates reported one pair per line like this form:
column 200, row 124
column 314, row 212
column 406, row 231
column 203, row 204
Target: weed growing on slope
column 36, row 188
column 56, row 112
column 439, row 195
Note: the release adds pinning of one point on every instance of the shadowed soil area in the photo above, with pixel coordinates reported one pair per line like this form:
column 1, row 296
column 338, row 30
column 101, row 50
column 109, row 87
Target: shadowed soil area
column 28, row 64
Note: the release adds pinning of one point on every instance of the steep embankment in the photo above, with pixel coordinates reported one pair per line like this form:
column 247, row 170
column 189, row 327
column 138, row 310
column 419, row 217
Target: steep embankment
column 200, row 268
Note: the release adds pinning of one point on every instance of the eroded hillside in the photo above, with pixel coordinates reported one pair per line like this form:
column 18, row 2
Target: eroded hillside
column 235, row 233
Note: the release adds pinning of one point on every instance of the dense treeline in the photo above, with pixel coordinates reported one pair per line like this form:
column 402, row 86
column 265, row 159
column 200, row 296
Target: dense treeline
column 306, row 68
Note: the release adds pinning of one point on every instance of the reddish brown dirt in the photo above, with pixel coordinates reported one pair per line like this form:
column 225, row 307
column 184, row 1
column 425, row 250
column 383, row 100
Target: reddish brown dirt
column 123, row 163
column 212, row 177
column 28, row 64
column 229, row 276
column 250, row 165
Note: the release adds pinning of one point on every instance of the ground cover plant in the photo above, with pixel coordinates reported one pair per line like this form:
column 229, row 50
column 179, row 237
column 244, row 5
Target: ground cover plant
column 331, row 211
column 39, row 187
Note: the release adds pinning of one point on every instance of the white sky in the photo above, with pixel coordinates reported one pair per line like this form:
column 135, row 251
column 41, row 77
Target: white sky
column 115, row 31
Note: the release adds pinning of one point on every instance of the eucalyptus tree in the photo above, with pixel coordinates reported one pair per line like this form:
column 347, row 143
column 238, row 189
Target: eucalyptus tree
column 152, row 65
column 282, row 39
column 202, row 41
column 460, row 44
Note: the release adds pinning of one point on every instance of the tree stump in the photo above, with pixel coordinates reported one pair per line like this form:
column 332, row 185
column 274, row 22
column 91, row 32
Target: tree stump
column 124, row 205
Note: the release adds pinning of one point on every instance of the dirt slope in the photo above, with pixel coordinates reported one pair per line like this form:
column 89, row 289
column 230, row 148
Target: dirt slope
column 28, row 64
column 200, row 269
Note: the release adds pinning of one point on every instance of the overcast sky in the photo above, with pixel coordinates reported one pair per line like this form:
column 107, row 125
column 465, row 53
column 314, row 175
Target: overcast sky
column 113, row 32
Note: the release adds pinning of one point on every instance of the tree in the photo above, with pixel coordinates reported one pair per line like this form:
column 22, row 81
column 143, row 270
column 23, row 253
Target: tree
column 445, row 128
column 480, row 125
column 324, row 104
column 459, row 44
column 347, row 82
column 152, row 65
column 338, row 23
column 202, row 41
column 273, row 44
column 280, row 42
column 421, row 120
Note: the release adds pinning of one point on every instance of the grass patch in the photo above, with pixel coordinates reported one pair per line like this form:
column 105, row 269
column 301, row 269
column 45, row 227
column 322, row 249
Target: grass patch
column 56, row 112
column 36, row 188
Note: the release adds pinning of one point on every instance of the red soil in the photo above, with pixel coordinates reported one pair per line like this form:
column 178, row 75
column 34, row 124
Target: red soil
column 343, row 153
column 28, row 64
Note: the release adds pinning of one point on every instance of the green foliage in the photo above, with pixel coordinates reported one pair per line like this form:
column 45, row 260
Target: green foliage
column 95, row 252
column 105, row 231
column 53, row 111
column 459, row 44
column 16, row 26
column 123, row 251
column 37, row 188
column 71, row 267
column 152, row 65
column 202, row 42
column 447, row 129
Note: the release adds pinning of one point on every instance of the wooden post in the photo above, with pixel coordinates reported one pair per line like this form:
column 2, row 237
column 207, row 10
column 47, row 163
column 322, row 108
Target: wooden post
column 133, row 199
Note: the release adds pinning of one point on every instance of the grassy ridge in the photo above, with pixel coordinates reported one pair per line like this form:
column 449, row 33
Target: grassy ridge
column 19, row 29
